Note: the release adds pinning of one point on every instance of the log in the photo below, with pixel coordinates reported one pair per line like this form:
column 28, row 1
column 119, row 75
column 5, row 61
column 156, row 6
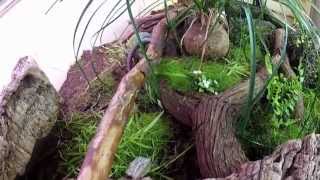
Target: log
column 218, row 151
column 296, row 159
column 98, row 160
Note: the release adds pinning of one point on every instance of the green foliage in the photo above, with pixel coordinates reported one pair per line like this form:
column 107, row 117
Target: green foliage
column 262, row 136
column 237, row 62
column 272, row 122
column 146, row 134
column 283, row 95
column 179, row 73
column 264, row 133
column 311, row 121
column 80, row 130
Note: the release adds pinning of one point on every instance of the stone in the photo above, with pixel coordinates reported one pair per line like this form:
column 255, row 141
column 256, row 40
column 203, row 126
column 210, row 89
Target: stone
column 105, row 62
column 138, row 168
column 29, row 108
column 217, row 44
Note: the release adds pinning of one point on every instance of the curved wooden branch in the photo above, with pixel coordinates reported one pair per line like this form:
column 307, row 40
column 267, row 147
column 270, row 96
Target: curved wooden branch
column 98, row 161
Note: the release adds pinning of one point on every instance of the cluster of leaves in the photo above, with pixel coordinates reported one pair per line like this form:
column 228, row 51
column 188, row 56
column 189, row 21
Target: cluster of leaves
column 204, row 84
column 283, row 94
column 264, row 133
column 273, row 122
column 147, row 134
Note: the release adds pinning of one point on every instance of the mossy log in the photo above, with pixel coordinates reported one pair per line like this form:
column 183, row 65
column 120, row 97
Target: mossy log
column 99, row 157
column 212, row 117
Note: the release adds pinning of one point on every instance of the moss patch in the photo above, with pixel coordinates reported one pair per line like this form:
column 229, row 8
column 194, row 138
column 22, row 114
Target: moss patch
column 179, row 73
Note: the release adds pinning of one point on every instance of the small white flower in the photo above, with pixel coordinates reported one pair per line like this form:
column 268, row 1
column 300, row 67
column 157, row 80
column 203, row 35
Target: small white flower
column 197, row 72
column 206, row 83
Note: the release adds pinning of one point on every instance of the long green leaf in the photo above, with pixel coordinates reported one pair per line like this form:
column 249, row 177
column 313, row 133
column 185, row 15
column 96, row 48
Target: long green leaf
column 136, row 31
column 74, row 39
column 253, row 63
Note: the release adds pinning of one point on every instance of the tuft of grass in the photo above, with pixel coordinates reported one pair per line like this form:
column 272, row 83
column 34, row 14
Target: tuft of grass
column 179, row 73
column 80, row 129
column 146, row 134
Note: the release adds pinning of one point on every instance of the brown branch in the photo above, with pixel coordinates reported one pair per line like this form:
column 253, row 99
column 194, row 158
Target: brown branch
column 98, row 161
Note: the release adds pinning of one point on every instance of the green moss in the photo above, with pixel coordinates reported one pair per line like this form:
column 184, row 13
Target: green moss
column 146, row 134
column 179, row 73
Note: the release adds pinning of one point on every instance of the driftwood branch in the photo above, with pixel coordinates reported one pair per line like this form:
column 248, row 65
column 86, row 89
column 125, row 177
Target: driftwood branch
column 98, row 161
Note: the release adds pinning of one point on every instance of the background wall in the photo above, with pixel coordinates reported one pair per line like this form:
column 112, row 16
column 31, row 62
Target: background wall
column 26, row 30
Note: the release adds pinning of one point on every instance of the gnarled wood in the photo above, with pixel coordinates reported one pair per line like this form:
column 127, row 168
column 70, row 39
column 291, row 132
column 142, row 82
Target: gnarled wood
column 296, row 159
column 212, row 118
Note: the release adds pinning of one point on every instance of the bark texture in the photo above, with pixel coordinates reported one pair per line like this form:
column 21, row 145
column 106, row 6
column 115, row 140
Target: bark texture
column 296, row 159
column 212, row 118
column 28, row 110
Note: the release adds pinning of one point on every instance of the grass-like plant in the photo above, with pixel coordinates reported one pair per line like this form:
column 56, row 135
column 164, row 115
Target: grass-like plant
column 80, row 129
column 147, row 134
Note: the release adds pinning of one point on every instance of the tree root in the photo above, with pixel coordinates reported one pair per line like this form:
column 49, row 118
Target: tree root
column 296, row 159
column 218, row 151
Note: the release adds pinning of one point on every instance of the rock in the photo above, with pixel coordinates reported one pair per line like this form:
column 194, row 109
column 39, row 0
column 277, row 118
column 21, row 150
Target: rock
column 138, row 168
column 105, row 61
column 28, row 110
column 217, row 44
column 296, row 159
